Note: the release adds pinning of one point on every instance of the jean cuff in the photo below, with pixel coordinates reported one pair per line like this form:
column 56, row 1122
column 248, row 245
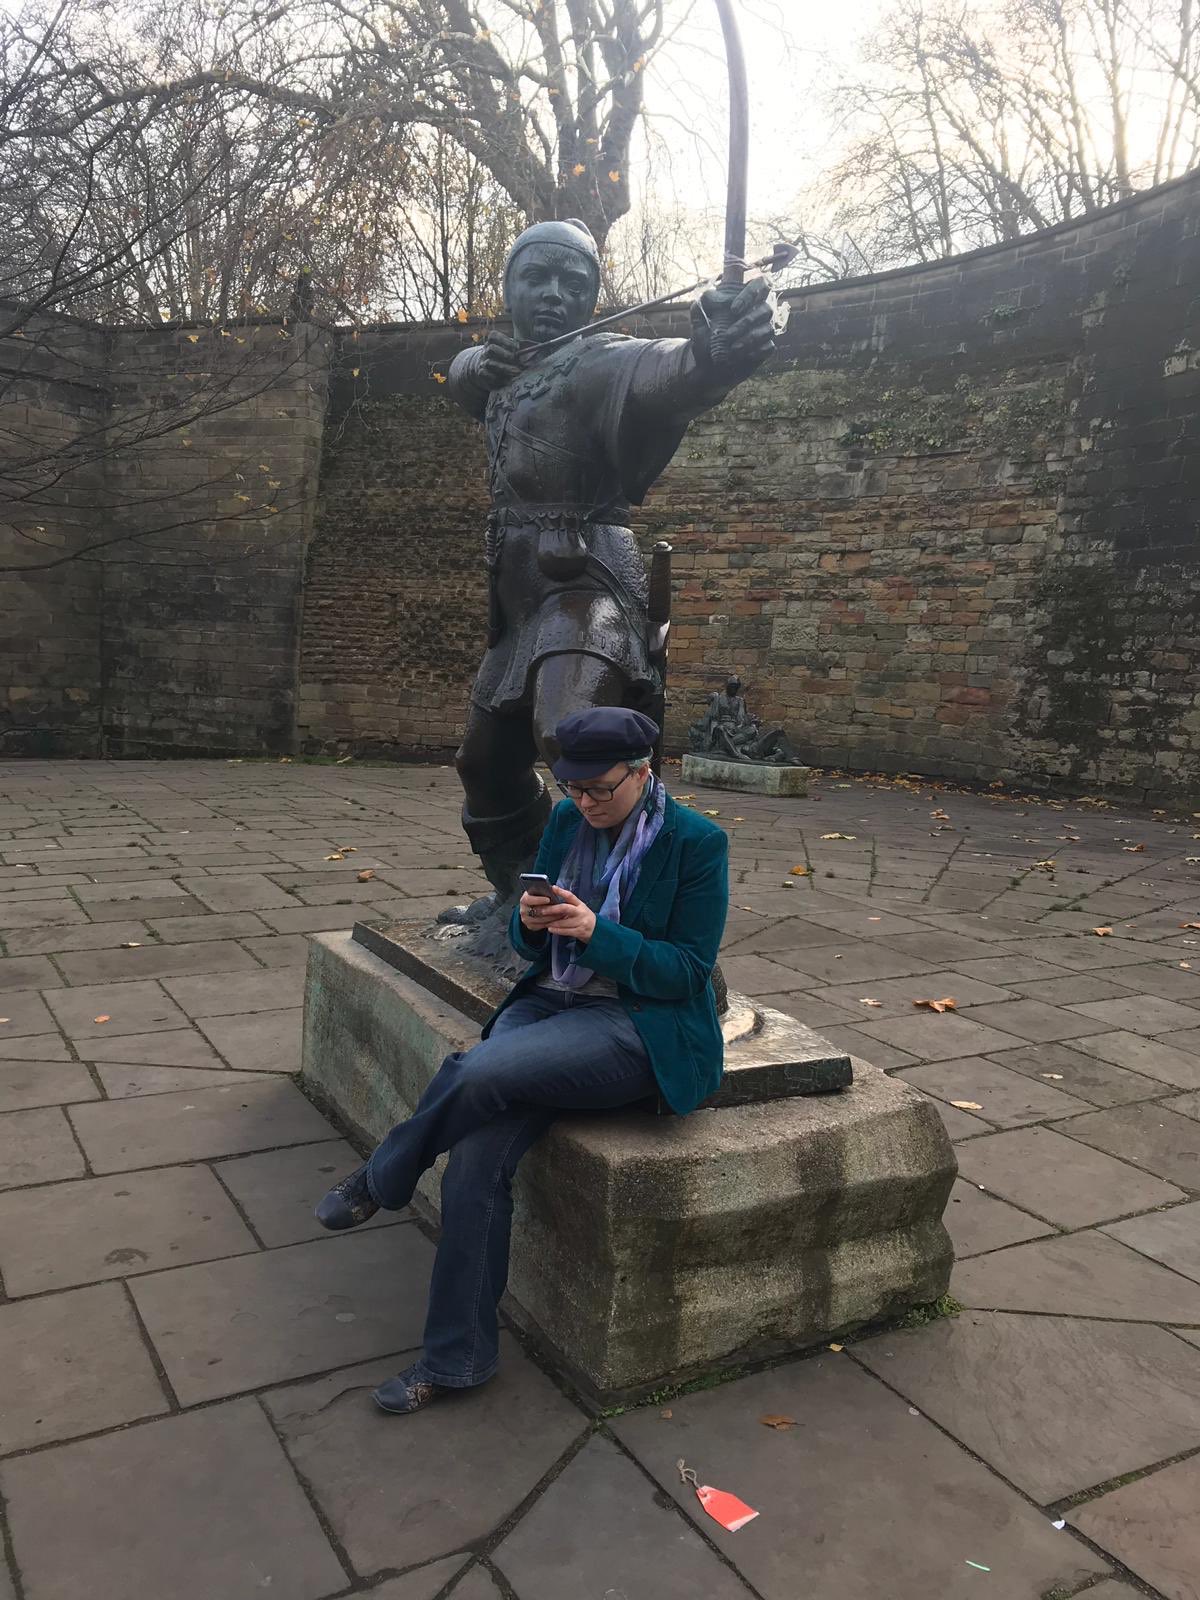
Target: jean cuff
column 445, row 1381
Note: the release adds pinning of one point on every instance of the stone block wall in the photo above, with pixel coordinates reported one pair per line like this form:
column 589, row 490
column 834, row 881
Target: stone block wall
column 205, row 595
column 53, row 403
column 951, row 528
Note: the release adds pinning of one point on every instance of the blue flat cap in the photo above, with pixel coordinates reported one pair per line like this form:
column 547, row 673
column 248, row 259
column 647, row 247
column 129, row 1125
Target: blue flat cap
column 592, row 741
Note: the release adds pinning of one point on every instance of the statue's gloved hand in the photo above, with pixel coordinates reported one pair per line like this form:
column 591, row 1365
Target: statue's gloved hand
column 499, row 361
column 733, row 328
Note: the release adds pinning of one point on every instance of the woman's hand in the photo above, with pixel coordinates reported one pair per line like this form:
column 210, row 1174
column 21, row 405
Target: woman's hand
column 567, row 915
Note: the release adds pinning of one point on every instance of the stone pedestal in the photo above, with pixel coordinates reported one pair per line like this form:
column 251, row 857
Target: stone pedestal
column 648, row 1249
column 749, row 777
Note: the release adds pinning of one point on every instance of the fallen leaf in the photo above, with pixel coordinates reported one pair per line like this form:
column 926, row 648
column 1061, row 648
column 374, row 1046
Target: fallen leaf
column 336, row 856
column 870, row 1002
column 946, row 1004
column 1186, row 965
column 348, row 849
column 5, row 1019
column 366, row 875
column 1056, row 1076
column 439, row 377
column 193, row 338
column 837, row 1347
column 874, row 919
column 739, row 819
column 1191, row 860
column 132, row 944
column 849, row 836
column 773, row 1421
column 104, row 1018
column 1102, row 933
column 712, row 813
column 942, row 816
column 966, row 1105
column 667, row 1413
column 1133, row 849
column 802, row 872
column 1043, row 866
column 1189, row 924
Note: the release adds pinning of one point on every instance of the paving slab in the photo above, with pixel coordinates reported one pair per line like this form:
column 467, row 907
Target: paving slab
column 180, row 905
column 1030, row 1019
column 34, row 1047
column 114, row 1227
column 1150, row 1135
column 227, row 1326
column 156, row 961
column 17, row 914
column 1169, row 983
column 1056, row 1178
column 600, row 1529
column 1081, row 1275
column 217, row 1512
column 861, row 1498
column 37, row 1146
column 158, row 1130
column 177, row 1047
column 278, row 1190
column 934, row 1036
column 1054, row 1404
column 1008, row 1099
column 856, row 1043
column 250, row 891
column 895, row 995
column 1151, row 1527
column 70, row 1364
column 756, row 975
column 849, row 962
column 1172, row 1237
column 43, row 1083
column 978, row 1222
column 28, row 972
column 1075, row 989
column 480, row 1454
column 89, row 936
column 228, row 995
column 1152, row 1058
column 124, row 1079
column 1188, row 1041
column 1088, row 954
column 138, row 1007
column 1140, row 1013
column 1075, row 1073
column 264, row 1041
column 23, row 1013
column 279, row 949
column 232, row 925
column 144, row 888
column 961, row 1124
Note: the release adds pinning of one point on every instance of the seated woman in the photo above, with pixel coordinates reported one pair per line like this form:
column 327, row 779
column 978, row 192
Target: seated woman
column 616, row 1007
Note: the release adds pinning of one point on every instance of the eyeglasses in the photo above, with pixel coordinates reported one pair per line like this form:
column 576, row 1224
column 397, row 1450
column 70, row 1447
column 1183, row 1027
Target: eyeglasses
column 601, row 793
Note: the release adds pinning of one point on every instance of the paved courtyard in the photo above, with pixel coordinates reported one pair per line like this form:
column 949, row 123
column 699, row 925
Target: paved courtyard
column 185, row 1360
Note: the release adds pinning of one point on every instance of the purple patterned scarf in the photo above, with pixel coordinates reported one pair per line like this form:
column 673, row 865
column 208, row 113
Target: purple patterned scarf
column 601, row 875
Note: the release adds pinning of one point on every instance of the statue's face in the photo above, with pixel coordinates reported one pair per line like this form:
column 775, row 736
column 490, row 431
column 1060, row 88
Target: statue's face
column 734, row 686
column 550, row 290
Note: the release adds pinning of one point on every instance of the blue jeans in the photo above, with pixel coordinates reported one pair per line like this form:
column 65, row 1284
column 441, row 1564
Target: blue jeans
column 548, row 1053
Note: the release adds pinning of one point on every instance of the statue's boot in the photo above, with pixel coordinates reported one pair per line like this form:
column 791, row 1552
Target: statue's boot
column 505, row 846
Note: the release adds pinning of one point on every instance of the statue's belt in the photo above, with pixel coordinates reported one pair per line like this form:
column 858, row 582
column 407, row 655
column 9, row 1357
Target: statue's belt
column 558, row 517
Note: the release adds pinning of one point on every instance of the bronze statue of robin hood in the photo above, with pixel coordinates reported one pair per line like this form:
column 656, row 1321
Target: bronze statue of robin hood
column 576, row 435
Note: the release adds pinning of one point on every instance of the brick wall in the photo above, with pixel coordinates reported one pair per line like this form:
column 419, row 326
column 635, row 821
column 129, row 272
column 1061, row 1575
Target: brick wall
column 53, row 403
column 173, row 624
column 951, row 529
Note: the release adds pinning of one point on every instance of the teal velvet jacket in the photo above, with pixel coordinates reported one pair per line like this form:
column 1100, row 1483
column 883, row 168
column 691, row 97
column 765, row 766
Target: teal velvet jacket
column 662, row 952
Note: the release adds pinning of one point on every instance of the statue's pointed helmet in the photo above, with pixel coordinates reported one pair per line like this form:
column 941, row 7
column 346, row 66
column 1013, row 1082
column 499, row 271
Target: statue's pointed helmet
column 569, row 234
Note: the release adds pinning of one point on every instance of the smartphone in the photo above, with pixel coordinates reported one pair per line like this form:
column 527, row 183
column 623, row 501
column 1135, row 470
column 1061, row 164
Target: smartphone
column 538, row 885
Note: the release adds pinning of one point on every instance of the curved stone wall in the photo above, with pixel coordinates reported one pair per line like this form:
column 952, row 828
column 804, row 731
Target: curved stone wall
column 951, row 529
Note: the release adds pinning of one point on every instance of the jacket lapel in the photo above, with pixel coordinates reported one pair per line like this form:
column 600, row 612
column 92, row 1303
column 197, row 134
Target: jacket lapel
column 652, row 866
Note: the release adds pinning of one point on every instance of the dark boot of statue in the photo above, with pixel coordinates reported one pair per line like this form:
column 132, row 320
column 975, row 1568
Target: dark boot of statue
column 506, row 847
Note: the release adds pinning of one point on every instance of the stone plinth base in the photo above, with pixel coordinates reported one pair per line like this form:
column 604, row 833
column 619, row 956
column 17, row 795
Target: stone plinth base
column 750, row 777
column 648, row 1249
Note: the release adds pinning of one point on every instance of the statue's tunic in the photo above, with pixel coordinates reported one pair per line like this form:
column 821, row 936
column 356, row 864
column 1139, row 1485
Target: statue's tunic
column 572, row 443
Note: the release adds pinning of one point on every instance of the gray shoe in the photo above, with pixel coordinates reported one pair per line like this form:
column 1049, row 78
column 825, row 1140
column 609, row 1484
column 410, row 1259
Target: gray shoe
column 348, row 1203
column 409, row 1391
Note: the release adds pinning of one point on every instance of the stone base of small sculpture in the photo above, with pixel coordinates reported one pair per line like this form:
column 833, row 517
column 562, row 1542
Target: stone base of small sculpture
column 749, row 777
column 648, row 1249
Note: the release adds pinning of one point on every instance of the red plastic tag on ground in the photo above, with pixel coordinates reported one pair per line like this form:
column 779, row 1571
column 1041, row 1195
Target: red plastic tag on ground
column 724, row 1508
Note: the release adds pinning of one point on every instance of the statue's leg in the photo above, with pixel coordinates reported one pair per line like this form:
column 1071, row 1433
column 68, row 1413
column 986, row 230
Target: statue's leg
column 505, row 804
column 569, row 683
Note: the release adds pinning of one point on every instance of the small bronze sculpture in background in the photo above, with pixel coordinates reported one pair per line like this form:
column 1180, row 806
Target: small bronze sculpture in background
column 576, row 435
column 729, row 732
